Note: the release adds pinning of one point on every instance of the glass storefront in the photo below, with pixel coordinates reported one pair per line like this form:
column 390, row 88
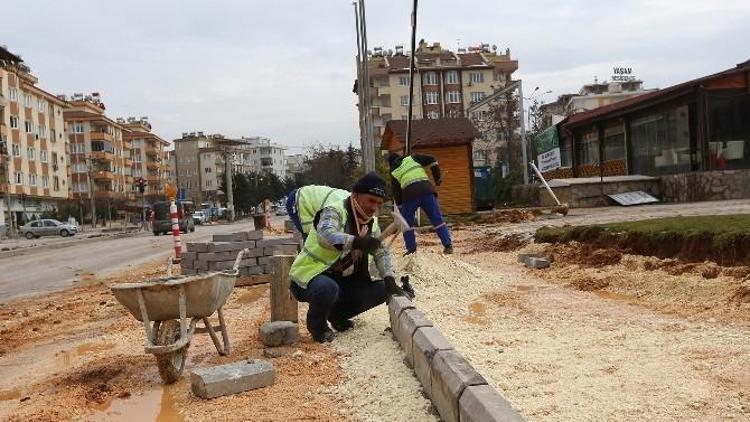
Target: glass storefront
column 587, row 147
column 660, row 143
column 728, row 131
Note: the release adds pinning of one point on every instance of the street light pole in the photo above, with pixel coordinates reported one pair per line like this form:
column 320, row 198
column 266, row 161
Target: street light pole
column 412, row 60
column 90, row 168
column 523, row 134
column 230, row 194
column 11, row 224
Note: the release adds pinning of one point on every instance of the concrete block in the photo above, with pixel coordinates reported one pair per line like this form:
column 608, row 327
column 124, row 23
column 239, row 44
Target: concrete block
column 231, row 237
column 188, row 256
column 277, row 352
column 216, row 256
column 264, row 260
column 252, row 280
column 289, row 226
column 251, row 270
column 408, row 323
column 187, row 271
column 276, row 241
column 267, row 269
column 255, row 235
column 279, row 333
column 427, row 342
column 480, row 403
column 231, row 246
column 396, row 305
column 227, row 265
column 197, row 247
column 450, row 375
column 232, row 378
column 537, row 262
column 522, row 257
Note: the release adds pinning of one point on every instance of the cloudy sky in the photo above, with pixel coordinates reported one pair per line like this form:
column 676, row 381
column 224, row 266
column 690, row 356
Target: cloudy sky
column 284, row 68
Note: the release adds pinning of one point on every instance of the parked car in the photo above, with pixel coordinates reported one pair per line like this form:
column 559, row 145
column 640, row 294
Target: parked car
column 281, row 211
column 199, row 217
column 162, row 223
column 47, row 227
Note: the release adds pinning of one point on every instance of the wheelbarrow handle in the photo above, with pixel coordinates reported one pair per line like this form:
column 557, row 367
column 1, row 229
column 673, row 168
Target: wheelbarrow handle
column 240, row 255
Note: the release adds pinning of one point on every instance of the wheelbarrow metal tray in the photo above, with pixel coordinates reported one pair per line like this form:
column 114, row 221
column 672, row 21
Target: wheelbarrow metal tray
column 204, row 294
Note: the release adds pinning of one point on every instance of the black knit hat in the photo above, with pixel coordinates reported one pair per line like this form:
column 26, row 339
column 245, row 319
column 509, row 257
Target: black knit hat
column 370, row 183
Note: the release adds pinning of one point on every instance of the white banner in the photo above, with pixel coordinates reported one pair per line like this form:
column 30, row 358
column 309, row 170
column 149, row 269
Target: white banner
column 549, row 160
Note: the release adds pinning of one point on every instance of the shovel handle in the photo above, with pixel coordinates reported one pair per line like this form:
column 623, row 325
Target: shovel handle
column 240, row 255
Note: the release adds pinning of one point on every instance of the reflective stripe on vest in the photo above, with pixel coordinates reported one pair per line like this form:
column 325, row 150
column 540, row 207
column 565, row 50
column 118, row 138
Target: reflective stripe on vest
column 408, row 172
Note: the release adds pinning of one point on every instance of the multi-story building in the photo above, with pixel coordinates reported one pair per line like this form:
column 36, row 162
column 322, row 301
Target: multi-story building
column 591, row 96
column 200, row 161
column 32, row 125
column 100, row 157
column 295, row 164
column 446, row 83
column 147, row 157
column 265, row 156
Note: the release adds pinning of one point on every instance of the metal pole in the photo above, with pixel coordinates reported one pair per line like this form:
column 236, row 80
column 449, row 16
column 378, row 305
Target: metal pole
column 230, row 194
column 368, row 152
column 11, row 223
column 89, row 164
column 80, row 209
column 360, row 91
column 407, row 146
column 523, row 134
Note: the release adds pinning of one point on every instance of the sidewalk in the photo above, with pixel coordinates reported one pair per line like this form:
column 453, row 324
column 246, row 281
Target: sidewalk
column 88, row 233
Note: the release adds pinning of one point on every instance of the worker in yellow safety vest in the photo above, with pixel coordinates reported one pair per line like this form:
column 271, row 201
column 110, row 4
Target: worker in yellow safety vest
column 412, row 189
column 332, row 271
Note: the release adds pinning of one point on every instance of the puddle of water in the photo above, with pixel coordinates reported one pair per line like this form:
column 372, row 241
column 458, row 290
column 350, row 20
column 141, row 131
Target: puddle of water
column 477, row 313
column 13, row 394
column 156, row 405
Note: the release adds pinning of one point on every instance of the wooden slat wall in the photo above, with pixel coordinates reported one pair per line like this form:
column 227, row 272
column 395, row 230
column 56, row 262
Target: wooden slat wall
column 456, row 193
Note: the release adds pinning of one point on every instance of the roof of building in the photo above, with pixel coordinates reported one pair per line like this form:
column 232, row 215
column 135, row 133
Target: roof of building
column 647, row 99
column 6, row 55
column 430, row 132
column 472, row 59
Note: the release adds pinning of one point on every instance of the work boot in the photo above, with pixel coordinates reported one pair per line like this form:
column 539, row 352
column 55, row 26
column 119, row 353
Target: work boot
column 448, row 250
column 324, row 337
column 410, row 252
column 342, row 325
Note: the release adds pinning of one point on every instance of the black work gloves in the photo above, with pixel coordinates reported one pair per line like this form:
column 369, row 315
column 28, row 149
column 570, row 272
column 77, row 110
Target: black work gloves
column 368, row 244
column 392, row 289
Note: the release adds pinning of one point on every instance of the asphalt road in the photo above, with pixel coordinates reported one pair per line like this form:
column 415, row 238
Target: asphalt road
column 49, row 269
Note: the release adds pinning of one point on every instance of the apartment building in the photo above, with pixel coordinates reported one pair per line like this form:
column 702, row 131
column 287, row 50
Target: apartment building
column 265, row 156
column 147, row 157
column 447, row 82
column 32, row 127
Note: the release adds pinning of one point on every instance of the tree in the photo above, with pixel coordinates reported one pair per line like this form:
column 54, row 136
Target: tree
column 330, row 166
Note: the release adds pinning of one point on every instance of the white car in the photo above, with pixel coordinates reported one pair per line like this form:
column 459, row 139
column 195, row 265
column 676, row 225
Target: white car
column 47, row 227
column 199, row 217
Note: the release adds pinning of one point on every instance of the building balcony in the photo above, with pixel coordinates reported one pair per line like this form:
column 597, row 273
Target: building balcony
column 127, row 144
column 151, row 150
column 105, row 194
column 153, row 179
column 128, row 162
column 104, row 175
column 153, row 165
column 129, row 179
column 102, row 155
column 101, row 136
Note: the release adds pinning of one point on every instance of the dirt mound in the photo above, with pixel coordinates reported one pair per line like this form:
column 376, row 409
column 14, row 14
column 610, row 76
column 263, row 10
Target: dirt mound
column 583, row 254
column 496, row 217
column 495, row 243
column 589, row 284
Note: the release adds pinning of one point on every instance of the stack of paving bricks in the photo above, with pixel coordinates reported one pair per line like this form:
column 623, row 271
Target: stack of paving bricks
column 222, row 252
column 456, row 389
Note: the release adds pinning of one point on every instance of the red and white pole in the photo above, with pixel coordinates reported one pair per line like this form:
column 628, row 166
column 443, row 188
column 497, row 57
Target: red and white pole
column 175, row 230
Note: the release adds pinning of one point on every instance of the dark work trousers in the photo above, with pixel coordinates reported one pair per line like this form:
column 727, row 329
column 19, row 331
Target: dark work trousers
column 429, row 203
column 335, row 298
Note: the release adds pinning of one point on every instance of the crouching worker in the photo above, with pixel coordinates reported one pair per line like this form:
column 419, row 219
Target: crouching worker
column 332, row 272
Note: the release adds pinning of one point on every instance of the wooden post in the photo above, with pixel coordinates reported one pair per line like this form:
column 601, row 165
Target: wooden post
column 283, row 304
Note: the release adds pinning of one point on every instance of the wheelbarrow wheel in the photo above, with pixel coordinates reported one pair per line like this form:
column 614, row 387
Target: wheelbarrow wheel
column 170, row 364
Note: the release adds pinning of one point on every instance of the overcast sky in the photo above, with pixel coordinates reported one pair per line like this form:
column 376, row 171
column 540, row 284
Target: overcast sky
column 284, row 68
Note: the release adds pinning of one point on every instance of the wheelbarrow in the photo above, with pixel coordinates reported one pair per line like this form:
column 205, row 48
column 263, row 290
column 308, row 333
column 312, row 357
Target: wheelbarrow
column 170, row 308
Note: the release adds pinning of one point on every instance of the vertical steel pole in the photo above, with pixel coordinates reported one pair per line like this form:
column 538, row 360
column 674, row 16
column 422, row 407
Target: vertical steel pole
column 407, row 146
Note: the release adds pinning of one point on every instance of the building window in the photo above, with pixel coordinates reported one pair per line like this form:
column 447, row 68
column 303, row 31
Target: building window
column 430, row 78
column 477, row 115
column 30, row 153
column 44, row 156
column 77, row 127
column 403, row 80
column 454, row 114
column 45, row 181
column 13, row 122
column 433, row 115
column 451, row 77
column 404, row 100
column 41, row 106
column 477, row 77
column 56, row 183
column 728, row 131
column 587, row 147
column 454, row 97
column 18, row 178
column 660, row 143
column 13, row 94
column 477, row 97
column 16, row 150
column 32, row 179
column 27, row 100
column 52, row 135
column 431, row 97
column 29, row 127
column 41, row 130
